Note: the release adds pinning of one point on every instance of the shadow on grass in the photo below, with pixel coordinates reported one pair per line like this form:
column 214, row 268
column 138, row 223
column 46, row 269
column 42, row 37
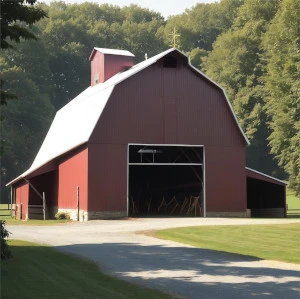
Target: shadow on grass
column 37, row 271
column 191, row 272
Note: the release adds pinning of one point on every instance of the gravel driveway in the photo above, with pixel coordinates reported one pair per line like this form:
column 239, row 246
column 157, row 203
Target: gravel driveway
column 181, row 270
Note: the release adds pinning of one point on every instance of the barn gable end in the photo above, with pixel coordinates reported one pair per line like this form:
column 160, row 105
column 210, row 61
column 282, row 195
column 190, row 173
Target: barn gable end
column 171, row 104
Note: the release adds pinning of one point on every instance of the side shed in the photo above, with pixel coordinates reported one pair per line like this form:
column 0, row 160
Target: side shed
column 266, row 195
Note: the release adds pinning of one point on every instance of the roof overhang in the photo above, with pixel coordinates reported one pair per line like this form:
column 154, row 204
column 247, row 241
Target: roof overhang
column 254, row 174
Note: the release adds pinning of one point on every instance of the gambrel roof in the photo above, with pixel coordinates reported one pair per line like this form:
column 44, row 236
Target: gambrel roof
column 74, row 123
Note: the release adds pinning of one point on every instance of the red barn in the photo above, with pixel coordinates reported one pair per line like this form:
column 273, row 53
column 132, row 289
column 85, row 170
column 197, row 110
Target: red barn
column 158, row 137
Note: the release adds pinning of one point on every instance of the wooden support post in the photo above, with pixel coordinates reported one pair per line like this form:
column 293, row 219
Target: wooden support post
column 11, row 195
column 77, row 195
column 44, row 205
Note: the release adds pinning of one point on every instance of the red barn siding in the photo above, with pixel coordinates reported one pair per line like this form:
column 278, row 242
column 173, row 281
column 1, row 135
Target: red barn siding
column 108, row 65
column 225, row 179
column 107, row 173
column 136, row 111
column 113, row 64
column 73, row 173
column 22, row 194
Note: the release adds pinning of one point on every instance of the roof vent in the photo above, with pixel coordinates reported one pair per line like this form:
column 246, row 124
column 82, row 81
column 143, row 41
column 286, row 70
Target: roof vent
column 106, row 63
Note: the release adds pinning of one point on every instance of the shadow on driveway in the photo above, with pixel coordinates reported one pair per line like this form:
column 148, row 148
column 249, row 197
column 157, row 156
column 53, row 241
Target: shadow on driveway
column 191, row 272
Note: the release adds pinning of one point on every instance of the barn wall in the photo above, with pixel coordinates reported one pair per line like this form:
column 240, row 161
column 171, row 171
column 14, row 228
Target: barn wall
column 159, row 104
column 107, row 66
column 73, row 173
column 22, row 194
column 173, row 106
column 225, row 180
column 97, row 67
column 107, row 184
column 113, row 64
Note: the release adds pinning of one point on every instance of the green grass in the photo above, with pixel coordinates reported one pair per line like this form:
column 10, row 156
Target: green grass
column 3, row 210
column 5, row 215
column 37, row 271
column 292, row 200
column 11, row 221
column 273, row 242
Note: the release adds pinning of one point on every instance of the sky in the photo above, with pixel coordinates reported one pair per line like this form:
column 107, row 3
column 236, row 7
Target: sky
column 165, row 7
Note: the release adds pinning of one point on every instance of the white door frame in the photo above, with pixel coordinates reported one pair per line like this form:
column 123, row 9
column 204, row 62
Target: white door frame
column 165, row 145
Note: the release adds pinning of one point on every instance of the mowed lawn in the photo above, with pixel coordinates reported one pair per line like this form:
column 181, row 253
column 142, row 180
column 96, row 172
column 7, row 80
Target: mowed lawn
column 274, row 242
column 292, row 201
column 5, row 215
column 37, row 271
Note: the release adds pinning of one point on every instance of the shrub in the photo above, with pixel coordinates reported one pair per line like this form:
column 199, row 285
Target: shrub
column 5, row 252
column 62, row 215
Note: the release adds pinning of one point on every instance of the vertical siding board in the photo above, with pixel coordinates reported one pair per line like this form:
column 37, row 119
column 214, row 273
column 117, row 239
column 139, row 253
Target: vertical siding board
column 225, row 179
column 108, row 177
column 22, row 196
column 73, row 173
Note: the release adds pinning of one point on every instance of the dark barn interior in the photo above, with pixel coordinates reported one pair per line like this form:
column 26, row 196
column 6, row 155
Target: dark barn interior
column 265, row 199
column 165, row 180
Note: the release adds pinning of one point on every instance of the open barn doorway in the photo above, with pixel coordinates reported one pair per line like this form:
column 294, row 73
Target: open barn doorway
column 166, row 180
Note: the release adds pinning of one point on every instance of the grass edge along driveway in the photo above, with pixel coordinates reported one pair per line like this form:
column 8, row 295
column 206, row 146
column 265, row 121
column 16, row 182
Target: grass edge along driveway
column 39, row 271
column 278, row 242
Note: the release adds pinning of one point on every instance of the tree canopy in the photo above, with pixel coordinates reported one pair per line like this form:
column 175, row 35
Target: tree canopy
column 249, row 47
column 15, row 18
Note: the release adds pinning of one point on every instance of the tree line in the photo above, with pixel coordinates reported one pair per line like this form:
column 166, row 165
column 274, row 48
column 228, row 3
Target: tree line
column 249, row 47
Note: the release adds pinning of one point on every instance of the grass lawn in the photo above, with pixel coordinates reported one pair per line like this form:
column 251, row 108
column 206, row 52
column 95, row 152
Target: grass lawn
column 11, row 221
column 5, row 215
column 292, row 200
column 273, row 242
column 37, row 271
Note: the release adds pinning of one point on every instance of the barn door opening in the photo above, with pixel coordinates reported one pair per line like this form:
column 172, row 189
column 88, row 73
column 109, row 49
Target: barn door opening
column 166, row 180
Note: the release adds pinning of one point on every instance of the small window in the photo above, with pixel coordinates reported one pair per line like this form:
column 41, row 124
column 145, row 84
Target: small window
column 96, row 79
column 170, row 62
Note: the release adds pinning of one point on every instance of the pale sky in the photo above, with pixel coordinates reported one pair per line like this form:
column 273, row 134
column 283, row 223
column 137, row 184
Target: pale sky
column 165, row 7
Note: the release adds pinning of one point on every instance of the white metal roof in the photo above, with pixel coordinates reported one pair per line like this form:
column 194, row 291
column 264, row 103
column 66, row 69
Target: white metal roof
column 75, row 122
column 114, row 52
column 72, row 126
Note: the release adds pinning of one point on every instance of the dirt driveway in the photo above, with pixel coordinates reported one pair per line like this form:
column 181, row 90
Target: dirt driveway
column 169, row 266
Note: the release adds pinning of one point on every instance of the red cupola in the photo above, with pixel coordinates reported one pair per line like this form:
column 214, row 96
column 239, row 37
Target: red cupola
column 106, row 63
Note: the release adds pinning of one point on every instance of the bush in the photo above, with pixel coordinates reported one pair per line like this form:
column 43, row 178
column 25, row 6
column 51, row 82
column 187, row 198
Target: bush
column 62, row 215
column 5, row 252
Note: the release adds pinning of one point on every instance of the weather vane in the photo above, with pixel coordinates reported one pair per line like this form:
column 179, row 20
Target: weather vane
column 174, row 34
